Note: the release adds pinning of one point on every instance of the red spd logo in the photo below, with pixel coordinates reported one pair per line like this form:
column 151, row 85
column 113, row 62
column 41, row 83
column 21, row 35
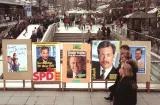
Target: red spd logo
column 44, row 76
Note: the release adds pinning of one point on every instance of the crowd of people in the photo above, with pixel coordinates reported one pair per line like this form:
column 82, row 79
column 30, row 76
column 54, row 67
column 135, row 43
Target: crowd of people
column 86, row 21
column 104, row 33
column 81, row 20
column 9, row 18
column 44, row 21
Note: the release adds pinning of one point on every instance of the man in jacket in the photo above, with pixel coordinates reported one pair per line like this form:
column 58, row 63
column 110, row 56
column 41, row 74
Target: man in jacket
column 104, row 68
column 77, row 67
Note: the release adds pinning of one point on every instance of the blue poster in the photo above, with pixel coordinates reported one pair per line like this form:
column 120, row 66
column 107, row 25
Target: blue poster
column 139, row 55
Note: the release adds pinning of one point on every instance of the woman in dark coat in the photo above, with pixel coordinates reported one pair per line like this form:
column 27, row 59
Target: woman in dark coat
column 125, row 93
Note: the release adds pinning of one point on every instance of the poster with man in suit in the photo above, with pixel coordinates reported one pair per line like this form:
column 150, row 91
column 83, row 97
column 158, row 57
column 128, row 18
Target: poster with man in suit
column 139, row 55
column 105, row 59
column 76, row 64
column 46, row 61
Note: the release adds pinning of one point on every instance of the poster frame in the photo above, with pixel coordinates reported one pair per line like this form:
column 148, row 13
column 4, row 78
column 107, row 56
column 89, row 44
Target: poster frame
column 143, row 77
column 27, row 75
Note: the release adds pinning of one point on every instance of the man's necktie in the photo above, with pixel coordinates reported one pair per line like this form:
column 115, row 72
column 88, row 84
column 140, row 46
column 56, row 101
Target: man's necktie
column 102, row 75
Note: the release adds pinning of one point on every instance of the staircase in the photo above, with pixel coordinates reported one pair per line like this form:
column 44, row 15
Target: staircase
column 69, row 37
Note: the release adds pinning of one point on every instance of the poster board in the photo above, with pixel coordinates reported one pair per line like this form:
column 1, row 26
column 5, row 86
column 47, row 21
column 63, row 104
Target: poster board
column 17, row 59
column 107, row 60
column 144, row 63
column 76, row 63
column 46, row 62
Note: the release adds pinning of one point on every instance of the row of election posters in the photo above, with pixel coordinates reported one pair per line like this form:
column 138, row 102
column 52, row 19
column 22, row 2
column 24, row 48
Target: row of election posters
column 72, row 62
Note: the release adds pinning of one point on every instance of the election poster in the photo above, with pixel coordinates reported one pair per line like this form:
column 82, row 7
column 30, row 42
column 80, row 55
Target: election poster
column 46, row 61
column 76, row 63
column 105, row 59
column 141, row 54
column 17, row 59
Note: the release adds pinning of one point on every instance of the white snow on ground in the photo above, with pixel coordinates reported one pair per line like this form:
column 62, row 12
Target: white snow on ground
column 75, row 29
column 28, row 34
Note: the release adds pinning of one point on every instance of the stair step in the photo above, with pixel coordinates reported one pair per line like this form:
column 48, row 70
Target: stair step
column 68, row 37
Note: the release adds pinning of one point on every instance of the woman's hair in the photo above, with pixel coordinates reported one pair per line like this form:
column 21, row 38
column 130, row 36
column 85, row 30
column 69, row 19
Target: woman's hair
column 127, row 70
column 125, row 55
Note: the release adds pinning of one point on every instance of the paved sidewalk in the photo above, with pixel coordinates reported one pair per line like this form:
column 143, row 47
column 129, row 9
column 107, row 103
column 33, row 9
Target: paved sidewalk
column 67, row 98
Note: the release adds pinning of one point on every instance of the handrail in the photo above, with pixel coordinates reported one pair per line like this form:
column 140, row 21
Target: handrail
column 157, row 56
column 49, row 34
column 145, row 35
column 157, row 39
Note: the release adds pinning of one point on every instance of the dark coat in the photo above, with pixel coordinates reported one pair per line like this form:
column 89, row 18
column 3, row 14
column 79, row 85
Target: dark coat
column 46, row 65
column 82, row 74
column 96, row 67
column 125, row 93
column 134, row 78
column 134, row 66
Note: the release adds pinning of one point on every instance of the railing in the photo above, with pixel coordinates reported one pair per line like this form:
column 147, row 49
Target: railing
column 155, row 42
column 134, row 35
column 49, row 34
column 155, row 71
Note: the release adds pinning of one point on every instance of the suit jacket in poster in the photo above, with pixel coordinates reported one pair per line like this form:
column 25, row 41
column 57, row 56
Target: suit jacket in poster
column 82, row 74
column 44, row 66
column 96, row 72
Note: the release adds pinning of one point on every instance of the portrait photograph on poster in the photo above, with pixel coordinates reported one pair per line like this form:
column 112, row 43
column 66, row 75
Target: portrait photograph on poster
column 45, row 58
column 17, row 59
column 138, row 54
column 76, row 63
column 105, row 59
column 46, row 61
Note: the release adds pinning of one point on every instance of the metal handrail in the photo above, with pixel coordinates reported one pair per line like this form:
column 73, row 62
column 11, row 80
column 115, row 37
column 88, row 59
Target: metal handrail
column 49, row 34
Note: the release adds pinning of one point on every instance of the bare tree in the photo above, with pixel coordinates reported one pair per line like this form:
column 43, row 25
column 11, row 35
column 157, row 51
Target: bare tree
column 76, row 3
column 39, row 5
column 89, row 4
